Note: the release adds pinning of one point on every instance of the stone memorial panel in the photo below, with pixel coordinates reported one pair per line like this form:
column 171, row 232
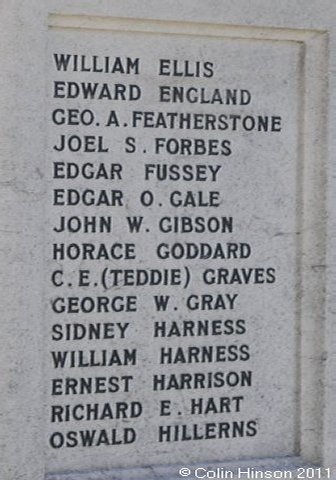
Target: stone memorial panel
column 173, row 184
column 166, row 299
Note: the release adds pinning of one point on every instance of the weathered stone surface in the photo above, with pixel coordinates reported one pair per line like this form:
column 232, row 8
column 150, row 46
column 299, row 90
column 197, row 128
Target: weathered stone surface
column 166, row 226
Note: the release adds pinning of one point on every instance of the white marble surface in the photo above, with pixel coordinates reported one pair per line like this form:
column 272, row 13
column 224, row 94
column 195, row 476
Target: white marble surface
column 277, row 187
